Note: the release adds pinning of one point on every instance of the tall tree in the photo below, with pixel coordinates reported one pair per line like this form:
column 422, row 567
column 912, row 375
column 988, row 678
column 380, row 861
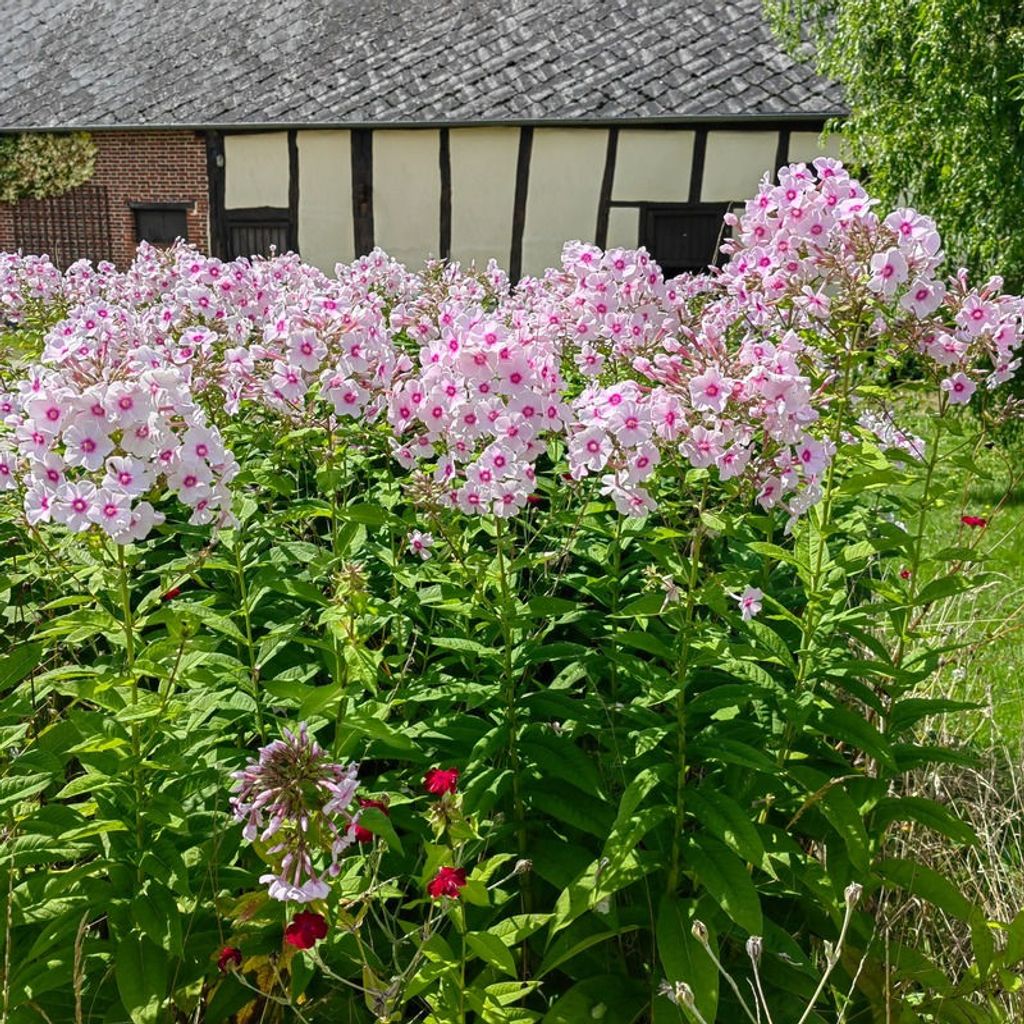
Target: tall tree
column 935, row 90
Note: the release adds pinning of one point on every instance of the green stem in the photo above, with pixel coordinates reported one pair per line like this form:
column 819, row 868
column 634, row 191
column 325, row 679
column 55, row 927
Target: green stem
column 511, row 711
column 922, row 520
column 128, row 624
column 336, row 653
column 682, row 671
column 254, row 672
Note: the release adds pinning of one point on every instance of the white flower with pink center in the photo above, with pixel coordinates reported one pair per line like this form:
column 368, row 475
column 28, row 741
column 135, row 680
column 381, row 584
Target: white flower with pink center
column 86, row 444
column 111, row 510
column 960, row 388
column 750, row 603
column 420, row 543
column 74, row 506
column 888, row 271
column 710, row 390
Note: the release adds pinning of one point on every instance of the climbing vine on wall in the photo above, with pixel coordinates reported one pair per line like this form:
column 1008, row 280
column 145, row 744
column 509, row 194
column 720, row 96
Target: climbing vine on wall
column 39, row 165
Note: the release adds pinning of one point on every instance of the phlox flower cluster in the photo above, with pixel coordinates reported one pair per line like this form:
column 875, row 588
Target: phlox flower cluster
column 674, row 370
column 471, row 383
column 812, row 248
column 101, row 427
column 485, row 392
column 295, row 801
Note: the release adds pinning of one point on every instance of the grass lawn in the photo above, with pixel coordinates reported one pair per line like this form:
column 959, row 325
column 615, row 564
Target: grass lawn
column 993, row 672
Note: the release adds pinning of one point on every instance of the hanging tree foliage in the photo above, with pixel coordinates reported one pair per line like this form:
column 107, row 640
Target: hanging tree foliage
column 38, row 165
column 934, row 89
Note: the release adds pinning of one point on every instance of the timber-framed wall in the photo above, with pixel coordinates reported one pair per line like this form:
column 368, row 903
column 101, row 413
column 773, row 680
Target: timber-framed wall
column 511, row 192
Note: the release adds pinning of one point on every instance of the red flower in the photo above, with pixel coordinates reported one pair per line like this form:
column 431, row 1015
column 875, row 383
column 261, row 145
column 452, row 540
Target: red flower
column 973, row 521
column 447, row 882
column 441, row 780
column 364, row 835
column 229, row 955
column 306, row 929
column 905, row 574
column 171, row 594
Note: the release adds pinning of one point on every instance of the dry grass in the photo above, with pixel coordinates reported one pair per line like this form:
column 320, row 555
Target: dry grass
column 990, row 874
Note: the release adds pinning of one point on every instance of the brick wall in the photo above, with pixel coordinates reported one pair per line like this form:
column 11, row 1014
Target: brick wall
column 143, row 167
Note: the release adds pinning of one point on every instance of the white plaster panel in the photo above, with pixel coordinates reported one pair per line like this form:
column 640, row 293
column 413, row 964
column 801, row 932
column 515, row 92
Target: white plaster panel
column 483, row 162
column 623, row 227
column 407, row 193
column 325, row 198
column 805, row 147
column 653, row 165
column 735, row 162
column 256, row 170
column 566, row 169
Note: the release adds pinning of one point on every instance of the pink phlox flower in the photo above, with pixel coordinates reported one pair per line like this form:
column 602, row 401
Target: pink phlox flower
column 959, row 387
column 750, row 603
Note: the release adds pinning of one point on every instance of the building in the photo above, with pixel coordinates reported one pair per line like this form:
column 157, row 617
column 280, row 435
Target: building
column 461, row 128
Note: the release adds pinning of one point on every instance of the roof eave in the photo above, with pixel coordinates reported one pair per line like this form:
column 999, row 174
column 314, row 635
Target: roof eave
column 696, row 120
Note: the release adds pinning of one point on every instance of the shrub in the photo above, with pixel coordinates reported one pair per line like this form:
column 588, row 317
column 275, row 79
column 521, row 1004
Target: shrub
column 38, row 165
column 617, row 591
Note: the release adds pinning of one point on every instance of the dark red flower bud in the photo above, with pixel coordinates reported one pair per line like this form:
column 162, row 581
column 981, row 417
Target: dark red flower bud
column 447, row 882
column 439, row 781
column 306, row 929
column 905, row 574
column 973, row 521
column 229, row 958
column 364, row 835
column 171, row 594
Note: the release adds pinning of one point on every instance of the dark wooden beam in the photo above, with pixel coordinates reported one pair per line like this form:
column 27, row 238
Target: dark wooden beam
column 604, row 203
column 700, row 149
column 293, row 191
column 445, row 156
column 362, row 189
column 781, row 151
column 515, row 260
column 215, row 185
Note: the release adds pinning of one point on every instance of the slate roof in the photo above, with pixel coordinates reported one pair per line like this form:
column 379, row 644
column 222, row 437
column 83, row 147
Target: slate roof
column 197, row 63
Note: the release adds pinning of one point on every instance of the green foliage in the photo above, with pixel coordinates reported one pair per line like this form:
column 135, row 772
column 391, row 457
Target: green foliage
column 936, row 106
column 648, row 782
column 39, row 165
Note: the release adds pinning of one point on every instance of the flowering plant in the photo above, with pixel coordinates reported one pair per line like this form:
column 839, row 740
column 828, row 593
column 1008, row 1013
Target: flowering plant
column 617, row 592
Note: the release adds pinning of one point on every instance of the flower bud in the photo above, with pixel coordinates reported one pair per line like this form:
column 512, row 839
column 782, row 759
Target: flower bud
column 852, row 894
column 700, row 932
column 755, row 946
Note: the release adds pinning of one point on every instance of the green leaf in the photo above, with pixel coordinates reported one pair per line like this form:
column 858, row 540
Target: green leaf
column 646, row 642
column 141, row 971
column 156, row 912
column 559, row 954
column 926, row 812
column 727, row 820
column 827, row 795
column 458, row 643
column 493, row 951
column 725, row 877
column 368, row 515
column 928, row 884
column 544, row 606
column 376, row 821
column 19, row 663
column 682, row 956
column 771, row 641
